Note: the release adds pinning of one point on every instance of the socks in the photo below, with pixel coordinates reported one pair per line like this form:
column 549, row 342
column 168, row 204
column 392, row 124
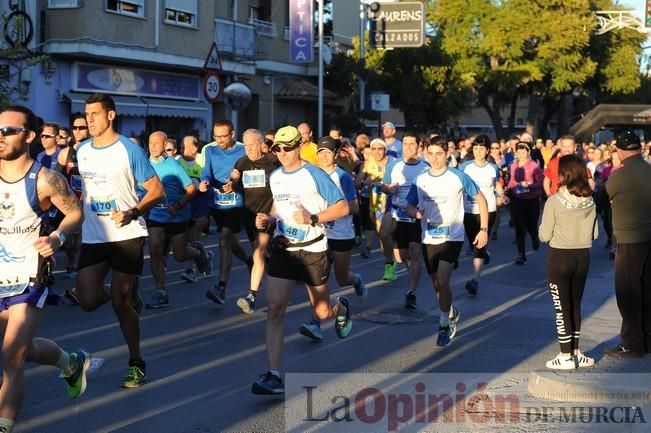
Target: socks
column 444, row 319
column 6, row 425
column 253, row 293
column 64, row 364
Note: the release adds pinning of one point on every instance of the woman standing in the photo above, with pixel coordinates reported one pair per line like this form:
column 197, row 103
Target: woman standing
column 569, row 224
column 524, row 188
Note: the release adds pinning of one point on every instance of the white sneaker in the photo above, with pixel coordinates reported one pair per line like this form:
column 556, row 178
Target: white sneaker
column 584, row 361
column 562, row 361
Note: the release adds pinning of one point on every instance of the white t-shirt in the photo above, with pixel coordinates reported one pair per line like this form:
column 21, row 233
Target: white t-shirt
column 485, row 177
column 402, row 173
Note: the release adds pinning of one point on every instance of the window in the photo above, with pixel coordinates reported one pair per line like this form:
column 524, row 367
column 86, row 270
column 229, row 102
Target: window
column 127, row 7
column 62, row 4
column 182, row 12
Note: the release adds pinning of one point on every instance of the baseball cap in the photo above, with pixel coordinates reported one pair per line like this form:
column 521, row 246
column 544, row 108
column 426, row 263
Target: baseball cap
column 378, row 141
column 287, row 136
column 327, row 142
column 628, row 140
column 389, row 124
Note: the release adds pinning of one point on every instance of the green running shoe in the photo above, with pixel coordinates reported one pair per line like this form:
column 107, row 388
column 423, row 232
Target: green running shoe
column 76, row 382
column 389, row 272
column 135, row 377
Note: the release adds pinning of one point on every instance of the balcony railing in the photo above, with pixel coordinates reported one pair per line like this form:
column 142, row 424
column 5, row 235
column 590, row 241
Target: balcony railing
column 235, row 39
column 264, row 28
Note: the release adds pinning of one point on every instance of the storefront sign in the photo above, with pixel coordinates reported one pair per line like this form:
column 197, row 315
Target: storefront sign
column 128, row 81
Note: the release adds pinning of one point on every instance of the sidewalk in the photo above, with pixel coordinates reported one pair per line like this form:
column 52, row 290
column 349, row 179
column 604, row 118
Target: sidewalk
column 611, row 377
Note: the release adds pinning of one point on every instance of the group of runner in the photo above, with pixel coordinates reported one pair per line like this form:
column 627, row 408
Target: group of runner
column 295, row 198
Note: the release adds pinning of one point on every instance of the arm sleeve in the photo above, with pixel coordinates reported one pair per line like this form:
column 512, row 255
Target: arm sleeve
column 547, row 222
column 325, row 186
column 140, row 165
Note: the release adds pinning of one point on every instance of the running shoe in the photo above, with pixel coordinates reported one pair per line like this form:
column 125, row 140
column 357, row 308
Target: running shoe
column 269, row 384
column 136, row 376
column 158, row 300
column 71, row 297
column 521, row 259
column 360, row 290
column 389, row 272
column 444, row 336
column 247, row 304
column 453, row 322
column 583, row 361
column 136, row 300
column 189, row 275
column 472, row 287
column 563, row 361
column 311, row 330
column 343, row 324
column 76, row 382
column 620, row 351
column 410, row 300
column 366, row 252
column 217, row 295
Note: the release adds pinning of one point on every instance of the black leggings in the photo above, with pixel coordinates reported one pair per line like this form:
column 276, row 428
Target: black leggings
column 567, row 271
column 525, row 213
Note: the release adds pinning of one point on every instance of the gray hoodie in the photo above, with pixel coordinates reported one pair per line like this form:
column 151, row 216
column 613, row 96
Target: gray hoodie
column 568, row 221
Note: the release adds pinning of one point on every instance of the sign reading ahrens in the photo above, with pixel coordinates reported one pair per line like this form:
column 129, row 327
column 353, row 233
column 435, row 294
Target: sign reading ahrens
column 397, row 25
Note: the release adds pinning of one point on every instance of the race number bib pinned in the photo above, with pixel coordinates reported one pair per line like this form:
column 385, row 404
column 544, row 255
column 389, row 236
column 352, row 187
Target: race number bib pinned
column 225, row 199
column 402, row 216
column 13, row 289
column 254, row 179
column 293, row 233
column 437, row 231
column 103, row 206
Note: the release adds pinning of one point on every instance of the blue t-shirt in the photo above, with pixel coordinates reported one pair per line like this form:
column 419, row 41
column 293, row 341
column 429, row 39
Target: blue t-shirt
column 219, row 164
column 48, row 161
column 174, row 179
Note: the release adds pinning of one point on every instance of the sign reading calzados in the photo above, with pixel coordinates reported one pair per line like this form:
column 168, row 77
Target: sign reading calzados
column 397, row 25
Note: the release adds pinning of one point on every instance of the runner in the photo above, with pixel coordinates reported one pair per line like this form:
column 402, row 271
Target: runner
column 569, row 224
column 113, row 231
column 27, row 189
column 226, row 207
column 406, row 231
column 252, row 173
column 340, row 233
column 199, row 204
column 167, row 222
column 486, row 175
column 436, row 199
column 305, row 198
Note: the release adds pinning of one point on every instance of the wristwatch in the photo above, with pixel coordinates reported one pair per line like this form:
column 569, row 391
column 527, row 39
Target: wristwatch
column 483, row 229
column 314, row 219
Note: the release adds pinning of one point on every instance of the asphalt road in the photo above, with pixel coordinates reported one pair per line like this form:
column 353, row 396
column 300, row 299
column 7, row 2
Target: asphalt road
column 202, row 358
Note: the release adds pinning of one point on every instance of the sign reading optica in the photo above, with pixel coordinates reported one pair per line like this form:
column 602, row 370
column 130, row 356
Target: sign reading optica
column 300, row 31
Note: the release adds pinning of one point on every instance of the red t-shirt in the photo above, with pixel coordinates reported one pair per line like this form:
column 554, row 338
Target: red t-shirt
column 551, row 172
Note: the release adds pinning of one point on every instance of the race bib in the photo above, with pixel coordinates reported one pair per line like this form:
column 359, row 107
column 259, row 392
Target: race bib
column 225, row 199
column 103, row 206
column 293, row 233
column 519, row 189
column 75, row 182
column 254, row 179
column 7, row 290
column 364, row 191
column 437, row 231
column 401, row 215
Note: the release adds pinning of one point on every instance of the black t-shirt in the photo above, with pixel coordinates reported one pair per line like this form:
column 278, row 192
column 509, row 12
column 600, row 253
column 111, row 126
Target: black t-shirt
column 254, row 182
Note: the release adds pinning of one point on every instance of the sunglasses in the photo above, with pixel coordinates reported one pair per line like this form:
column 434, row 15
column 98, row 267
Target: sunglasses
column 7, row 131
column 48, row 136
column 276, row 148
column 170, row 150
column 80, row 128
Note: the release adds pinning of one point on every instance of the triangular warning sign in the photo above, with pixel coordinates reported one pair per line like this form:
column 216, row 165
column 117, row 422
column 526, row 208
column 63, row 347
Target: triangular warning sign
column 213, row 63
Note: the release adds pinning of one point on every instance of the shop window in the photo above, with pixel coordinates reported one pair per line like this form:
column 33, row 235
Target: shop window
column 181, row 12
column 127, row 7
column 62, row 4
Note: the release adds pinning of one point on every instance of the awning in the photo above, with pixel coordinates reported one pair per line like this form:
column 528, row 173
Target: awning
column 175, row 108
column 125, row 105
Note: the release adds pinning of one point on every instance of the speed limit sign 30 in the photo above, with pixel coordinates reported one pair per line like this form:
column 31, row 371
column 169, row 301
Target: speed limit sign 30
column 212, row 87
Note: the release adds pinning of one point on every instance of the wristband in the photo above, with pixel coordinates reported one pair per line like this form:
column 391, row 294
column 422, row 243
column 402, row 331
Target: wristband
column 60, row 236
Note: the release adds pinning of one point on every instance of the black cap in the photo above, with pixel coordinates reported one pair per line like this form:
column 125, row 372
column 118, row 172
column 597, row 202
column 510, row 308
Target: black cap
column 628, row 140
column 327, row 142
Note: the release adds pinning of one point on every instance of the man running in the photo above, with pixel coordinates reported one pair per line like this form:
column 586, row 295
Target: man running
column 304, row 199
column 398, row 179
column 252, row 173
column 340, row 233
column 226, row 207
column 113, row 231
column 26, row 191
column 436, row 199
column 167, row 222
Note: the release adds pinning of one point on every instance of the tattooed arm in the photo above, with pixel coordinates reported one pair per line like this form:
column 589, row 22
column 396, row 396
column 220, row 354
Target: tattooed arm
column 53, row 188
